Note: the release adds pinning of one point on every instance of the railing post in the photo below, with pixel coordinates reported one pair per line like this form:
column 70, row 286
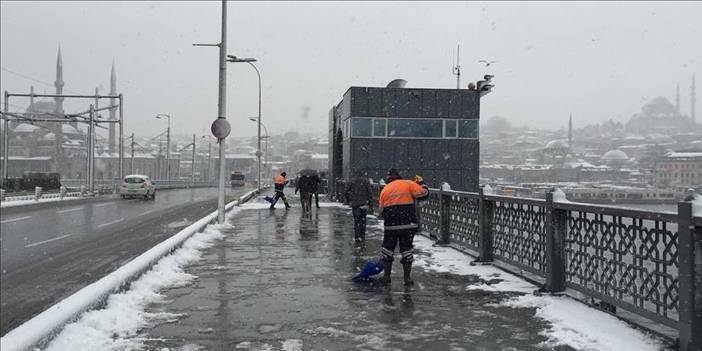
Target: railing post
column 486, row 209
column 37, row 193
column 690, row 277
column 555, row 229
column 444, row 218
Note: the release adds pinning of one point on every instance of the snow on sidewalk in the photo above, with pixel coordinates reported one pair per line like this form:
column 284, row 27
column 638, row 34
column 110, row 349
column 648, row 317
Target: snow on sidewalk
column 572, row 323
column 116, row 326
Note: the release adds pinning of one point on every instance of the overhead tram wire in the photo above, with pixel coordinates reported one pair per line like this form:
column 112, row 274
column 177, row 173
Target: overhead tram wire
column 35, row 80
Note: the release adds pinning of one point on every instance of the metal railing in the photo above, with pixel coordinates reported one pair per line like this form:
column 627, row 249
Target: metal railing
column 648, row 263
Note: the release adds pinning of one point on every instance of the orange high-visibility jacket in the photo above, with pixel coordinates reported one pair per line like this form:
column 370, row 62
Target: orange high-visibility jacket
column 279, row 183
column 400, row 192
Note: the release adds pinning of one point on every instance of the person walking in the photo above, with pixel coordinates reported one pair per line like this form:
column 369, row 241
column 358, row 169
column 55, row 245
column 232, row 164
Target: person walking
column 358, row 195
column 279, row 187
column 315, row 183
column 398, row 210
column 306, row 187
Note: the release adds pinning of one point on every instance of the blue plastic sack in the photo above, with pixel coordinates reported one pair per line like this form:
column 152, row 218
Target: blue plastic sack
column 268, row 198
column 370, row 269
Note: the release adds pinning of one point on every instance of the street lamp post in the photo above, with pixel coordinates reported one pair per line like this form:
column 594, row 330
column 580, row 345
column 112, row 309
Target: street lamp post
column 260, row 124
column 250, row 61
column 168, row 145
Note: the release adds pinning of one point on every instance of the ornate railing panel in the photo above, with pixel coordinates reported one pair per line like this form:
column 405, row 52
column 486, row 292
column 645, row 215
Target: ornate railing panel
column 518, row 229
column 464, row 221
column 626, row 256
column 430, row 213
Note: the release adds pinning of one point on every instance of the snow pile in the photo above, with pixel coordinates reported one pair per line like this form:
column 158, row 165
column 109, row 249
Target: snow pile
column 583, row 328
column 559, row 196
column 445, row 186
column 5, row 204
column 697, row 205
column 487, row 190
column 573, row 323
column 115, row 326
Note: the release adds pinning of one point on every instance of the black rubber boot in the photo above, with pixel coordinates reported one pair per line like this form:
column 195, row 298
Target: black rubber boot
column 385, row 280
column 407, row 269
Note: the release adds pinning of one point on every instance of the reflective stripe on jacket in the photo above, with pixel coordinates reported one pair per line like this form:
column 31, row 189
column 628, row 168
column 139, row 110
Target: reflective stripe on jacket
column 397, row 204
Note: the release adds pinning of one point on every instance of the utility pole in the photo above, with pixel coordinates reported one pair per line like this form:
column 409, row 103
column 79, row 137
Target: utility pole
column 91, row 151
column 192, row 166
column 220, row 127
column 168, row 151
column 209, row 160
column 131, row 163
column 5, row 143
column 222, row 113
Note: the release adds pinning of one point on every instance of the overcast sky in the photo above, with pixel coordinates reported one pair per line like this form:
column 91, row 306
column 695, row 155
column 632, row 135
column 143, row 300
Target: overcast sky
column 595, row 60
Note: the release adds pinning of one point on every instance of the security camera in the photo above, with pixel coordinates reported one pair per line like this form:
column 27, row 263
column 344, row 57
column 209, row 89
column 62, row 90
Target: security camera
column 488, row 77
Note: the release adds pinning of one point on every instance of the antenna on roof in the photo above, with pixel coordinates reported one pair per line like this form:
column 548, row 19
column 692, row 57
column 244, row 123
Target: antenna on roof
column 457, row 67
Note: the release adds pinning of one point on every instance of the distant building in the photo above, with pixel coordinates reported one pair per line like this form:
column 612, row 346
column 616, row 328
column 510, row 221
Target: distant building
column 661, row 116
column 679, row 169
column 430, row 132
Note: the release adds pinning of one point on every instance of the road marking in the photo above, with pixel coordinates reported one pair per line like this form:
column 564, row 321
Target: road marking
column 48, row 241
column 106, row 204
column 108, row 223
column 15, row 219
column 71, row 209
column 147, row 212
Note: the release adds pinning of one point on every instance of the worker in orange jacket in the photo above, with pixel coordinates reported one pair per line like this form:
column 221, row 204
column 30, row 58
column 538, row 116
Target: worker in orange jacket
column 279, row 186
column 397, row 207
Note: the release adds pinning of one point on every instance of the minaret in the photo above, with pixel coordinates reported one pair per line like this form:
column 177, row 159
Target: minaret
column 692, row 100
column 677, row 98
column 570, row 133
column 58, row 110
column 113, row 91
column 59, row 83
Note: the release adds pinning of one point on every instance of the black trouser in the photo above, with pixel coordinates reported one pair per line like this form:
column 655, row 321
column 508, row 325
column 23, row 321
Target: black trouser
column 279, row 195
column 359, row 222
column 316, row 198
column 391, row 238
column 306, row 201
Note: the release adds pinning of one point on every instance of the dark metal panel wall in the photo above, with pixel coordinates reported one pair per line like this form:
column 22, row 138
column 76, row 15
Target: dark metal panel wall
column 437, row 160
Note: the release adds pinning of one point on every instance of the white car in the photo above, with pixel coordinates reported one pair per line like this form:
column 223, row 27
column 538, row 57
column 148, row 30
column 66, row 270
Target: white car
column 137, row 185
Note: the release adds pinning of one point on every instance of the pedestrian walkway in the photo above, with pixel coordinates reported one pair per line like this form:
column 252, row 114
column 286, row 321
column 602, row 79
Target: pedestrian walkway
column 277, row 280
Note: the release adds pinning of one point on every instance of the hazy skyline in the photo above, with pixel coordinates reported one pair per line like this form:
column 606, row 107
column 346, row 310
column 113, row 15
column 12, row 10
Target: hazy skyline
column 596, row 60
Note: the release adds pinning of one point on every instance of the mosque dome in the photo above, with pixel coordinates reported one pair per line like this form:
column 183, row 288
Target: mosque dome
column 25, row 128
column 43, row 106
column 558, row 144
column 615, row 155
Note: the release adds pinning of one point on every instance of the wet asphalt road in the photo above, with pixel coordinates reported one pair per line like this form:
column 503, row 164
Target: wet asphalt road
column 279, row 281
column 50, row 252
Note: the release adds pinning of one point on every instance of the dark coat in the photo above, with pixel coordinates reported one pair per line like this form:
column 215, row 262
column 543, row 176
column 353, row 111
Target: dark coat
column 358, row 192
column 305, row 184
column 315, row 182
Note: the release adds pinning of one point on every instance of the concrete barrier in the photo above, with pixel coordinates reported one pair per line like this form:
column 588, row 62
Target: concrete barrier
column 38, row 331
